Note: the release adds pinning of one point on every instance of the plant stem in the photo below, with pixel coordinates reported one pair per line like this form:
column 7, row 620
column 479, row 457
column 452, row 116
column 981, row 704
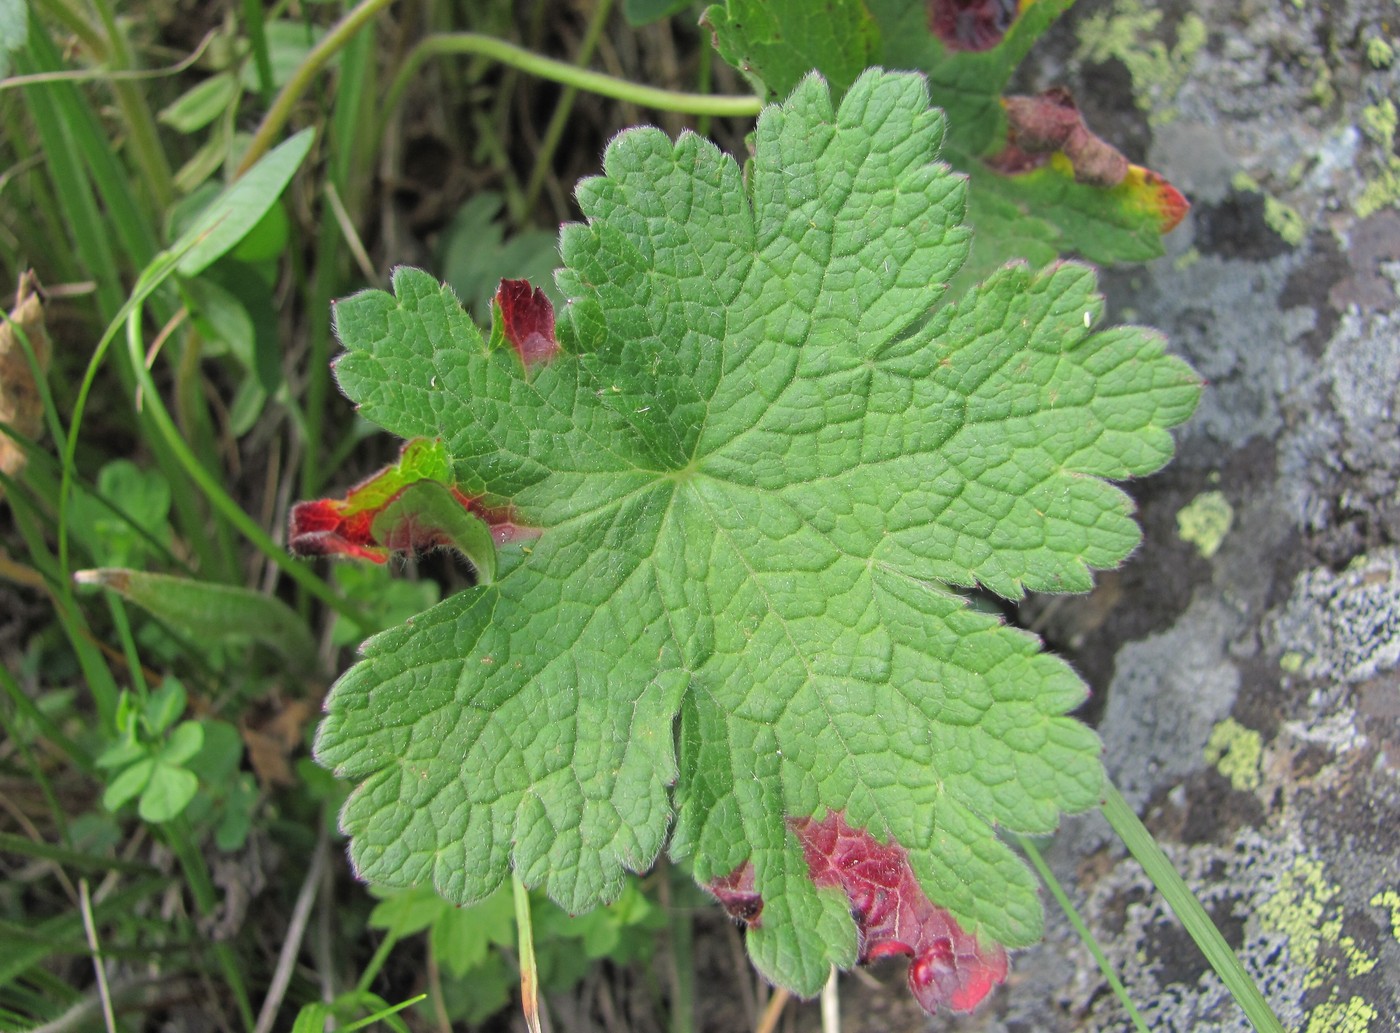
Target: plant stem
column 1188, row 909
column 567, row 74
column 339, row 35
column 555, row 130
column 529, row 970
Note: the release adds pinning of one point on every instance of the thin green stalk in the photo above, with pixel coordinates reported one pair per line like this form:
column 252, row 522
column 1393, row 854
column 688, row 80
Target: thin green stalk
column 1188, row 909
column 457, row 43
column 339, row 35
column 554, row 131
column 529, row 969
column 376, row 962
column 1072, row 913
column 214, row 492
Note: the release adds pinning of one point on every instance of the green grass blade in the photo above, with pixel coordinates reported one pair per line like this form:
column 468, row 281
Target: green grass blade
column 1188, row 909
column 1072, row 913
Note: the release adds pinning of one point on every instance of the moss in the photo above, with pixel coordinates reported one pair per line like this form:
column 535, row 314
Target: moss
column 1205, row 521
column 1158, row 71
column 1234, row 751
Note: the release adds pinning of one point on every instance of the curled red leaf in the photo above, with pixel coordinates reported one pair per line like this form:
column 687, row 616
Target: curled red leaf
column 367, row 524
column 1040, row 125
column 971, row 24
column 950, row 967
column 527, row 321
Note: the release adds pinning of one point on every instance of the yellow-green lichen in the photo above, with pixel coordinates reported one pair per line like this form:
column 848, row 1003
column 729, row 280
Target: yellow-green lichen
column 1390, row 899
column 1291, row 662
column 1124, row 32
column 1379, row 52
column 1285, row 221
column 1334, row 1016
column 1234, row 751
column 1186, row 259
column 1205, row 521
column 1379, row 122
column 1302, row 912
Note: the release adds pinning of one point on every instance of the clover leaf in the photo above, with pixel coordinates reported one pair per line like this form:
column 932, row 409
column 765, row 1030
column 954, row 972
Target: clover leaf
column 764, row 451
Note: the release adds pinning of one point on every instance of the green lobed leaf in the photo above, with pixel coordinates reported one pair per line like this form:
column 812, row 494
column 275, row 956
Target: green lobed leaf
column 774, row 43
column 764, row 452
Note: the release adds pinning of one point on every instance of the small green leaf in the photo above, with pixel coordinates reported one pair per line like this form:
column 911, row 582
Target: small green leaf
column 128, row 784
column 241, row 206
column 120, row 754
column 202, row 103
column 165, row 705
column 774, row 43
column 184, row 743
column 167, row 794
column 405, row 912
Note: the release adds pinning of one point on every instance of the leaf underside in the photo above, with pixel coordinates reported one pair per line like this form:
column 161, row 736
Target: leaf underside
column 763, row 453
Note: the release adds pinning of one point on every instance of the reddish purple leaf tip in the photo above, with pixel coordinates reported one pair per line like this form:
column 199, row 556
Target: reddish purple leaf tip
column 527, row 320
column 972, row 24
column 950, row 967
column 737, row 895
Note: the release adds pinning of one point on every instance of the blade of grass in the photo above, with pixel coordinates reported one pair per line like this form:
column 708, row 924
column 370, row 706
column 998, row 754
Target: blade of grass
column 1187, row 908
column 1072, row 913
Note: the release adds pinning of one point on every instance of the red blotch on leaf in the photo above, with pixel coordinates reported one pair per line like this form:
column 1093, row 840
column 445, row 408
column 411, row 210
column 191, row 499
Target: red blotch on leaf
column 950, row 967
column 737, row 895
column 971, row 24
column 527, row 320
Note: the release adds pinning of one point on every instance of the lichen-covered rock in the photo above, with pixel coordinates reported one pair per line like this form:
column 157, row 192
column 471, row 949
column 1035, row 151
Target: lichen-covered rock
column 1248, row 667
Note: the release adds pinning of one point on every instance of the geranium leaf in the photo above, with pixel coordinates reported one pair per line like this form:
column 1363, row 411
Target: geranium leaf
column 766, row 448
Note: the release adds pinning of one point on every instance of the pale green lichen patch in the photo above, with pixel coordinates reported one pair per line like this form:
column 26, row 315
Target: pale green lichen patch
column 1379, row 122
column 1351, row 1016
column 1302, row 910
column 1124, row 32
column 1205, row 521
column 1285, row 221
column 1291, row 662
column 1390, row 899
column 1234, row 751
column 1379, row 52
